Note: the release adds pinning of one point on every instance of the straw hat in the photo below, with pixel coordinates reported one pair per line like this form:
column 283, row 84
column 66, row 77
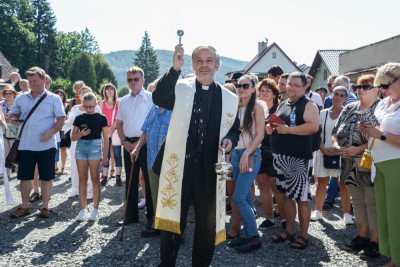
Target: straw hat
column 8, row 88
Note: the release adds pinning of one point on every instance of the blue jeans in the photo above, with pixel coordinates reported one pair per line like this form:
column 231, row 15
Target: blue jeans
column 333, row 189
column 242, row 195
column 117, row 154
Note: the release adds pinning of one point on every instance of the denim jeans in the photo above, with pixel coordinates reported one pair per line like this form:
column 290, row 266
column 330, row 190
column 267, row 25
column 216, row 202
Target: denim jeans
column 333, row 189
column 242, row 195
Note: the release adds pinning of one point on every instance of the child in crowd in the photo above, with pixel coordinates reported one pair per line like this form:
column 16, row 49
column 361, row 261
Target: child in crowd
column 91, row 132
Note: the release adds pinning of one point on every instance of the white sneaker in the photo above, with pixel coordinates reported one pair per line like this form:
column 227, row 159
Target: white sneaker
column 316, row 215
column 94, row 215
column 82, row 215
column 142, row 203
column 72, row 194
column 348, row 219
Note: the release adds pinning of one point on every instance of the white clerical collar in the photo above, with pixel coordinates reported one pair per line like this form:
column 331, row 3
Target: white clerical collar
column 205, row 87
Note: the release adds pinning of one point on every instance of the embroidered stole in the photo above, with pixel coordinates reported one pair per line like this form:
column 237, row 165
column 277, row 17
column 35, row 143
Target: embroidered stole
column 170, row 185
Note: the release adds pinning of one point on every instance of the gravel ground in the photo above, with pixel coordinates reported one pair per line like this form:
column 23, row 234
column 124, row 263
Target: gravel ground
column 60, row 241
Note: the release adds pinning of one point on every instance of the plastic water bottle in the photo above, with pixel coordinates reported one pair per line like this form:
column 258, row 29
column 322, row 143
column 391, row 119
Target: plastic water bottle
column 293, row 117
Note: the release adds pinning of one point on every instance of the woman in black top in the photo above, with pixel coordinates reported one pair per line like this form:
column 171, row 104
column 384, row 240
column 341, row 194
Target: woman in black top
column 268, row 92
column 89, row 130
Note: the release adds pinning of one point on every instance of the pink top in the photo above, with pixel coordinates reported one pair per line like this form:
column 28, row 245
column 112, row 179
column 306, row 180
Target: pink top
column 109, row 113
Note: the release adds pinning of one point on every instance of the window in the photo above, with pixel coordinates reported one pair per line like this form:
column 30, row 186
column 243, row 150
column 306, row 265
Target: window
column 325, row 74
column 273, row 54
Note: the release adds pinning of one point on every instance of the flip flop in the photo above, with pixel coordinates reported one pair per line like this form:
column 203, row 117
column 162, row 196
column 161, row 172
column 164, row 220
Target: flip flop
column 300, row 243
column 278, row 238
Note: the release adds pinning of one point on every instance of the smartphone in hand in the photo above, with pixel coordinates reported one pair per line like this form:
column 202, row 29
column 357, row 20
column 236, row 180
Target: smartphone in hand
column 84, row 126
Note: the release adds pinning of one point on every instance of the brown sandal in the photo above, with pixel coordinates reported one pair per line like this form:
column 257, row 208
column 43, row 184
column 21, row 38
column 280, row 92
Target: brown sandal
column 45, row 213
column 20, row 212
column 278, row 238
column 300, row 243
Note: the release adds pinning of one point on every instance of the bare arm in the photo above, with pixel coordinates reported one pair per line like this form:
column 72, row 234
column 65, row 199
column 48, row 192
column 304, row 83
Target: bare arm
column 105, row 145
column 135, row 152
column 55, row 129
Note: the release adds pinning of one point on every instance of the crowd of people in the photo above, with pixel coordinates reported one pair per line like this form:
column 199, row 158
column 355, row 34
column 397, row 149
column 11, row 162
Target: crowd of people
column 280, row 135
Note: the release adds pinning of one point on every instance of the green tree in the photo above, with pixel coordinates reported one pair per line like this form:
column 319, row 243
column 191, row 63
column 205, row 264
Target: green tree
column 123, row 91
column 82, row 68
column 66, row 85
column 103, row 71
column 17, row 41
column 45, row 32
column 70, row 45
column 146, row 58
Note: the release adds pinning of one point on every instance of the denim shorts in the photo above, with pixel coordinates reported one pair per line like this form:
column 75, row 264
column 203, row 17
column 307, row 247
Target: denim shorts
column 89, row 149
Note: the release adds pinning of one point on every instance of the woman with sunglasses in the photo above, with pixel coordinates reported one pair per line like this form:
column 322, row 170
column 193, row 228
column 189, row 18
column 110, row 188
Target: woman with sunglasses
column 91, row 133
column 328, row 118
column 109, row 107
column 386, row 155
column 246, row 161
column 350, row 142
column 76, row 111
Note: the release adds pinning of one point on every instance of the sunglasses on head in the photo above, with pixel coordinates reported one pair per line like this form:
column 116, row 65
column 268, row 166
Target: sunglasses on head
column 386, row 86
column 364, row 87
column 245, row 86
column 133, row 80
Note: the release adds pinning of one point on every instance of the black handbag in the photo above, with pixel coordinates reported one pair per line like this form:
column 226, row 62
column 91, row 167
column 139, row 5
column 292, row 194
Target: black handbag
column 12, row 157
column 330, row 162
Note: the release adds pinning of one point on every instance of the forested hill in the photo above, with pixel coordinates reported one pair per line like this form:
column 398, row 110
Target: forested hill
column 120, row 61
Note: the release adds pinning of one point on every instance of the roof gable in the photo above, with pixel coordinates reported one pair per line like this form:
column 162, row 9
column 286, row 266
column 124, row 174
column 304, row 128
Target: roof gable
column 330, row 58
column 265, row 52
column 6, row 67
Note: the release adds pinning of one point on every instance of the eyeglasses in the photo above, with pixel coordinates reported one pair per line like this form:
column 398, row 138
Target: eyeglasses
column 133, row 80
column 245, row 86
column 364, row 87
column 8, row 93
column 329, row 84
column 386, row 86
column 339, row 95
column 294, row 85
column 89, row 107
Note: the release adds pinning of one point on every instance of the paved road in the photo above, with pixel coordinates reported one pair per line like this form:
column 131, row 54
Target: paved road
column 60, row 241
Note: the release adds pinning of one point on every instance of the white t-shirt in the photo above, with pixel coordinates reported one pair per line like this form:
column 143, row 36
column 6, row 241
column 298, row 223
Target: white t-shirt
column 389, row 123
column 316, row 98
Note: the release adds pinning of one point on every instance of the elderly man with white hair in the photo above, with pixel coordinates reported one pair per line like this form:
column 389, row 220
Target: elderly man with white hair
column 14, row 79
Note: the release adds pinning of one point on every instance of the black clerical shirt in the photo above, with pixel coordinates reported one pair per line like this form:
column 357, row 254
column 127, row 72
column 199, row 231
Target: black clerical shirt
column 200, row 113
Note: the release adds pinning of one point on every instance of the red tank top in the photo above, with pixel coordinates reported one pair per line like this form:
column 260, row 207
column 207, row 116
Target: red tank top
column 109, row 112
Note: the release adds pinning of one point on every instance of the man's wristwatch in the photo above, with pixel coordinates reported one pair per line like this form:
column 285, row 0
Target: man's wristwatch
column 383, row 136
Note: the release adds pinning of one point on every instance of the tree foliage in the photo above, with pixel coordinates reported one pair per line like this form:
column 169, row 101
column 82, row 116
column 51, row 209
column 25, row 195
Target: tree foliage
column 17, row 41
column 71, row 44
column 146, row 58
column 82, row 68
column 45, row 31
column 103, row 71
column 64, row 84
column 123, row 91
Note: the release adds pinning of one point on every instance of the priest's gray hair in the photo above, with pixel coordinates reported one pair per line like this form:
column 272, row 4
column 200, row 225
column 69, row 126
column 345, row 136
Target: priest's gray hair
column 205, row 47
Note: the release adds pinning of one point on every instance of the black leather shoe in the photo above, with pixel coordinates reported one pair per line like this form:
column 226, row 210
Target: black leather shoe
column 357, row 244
column 371, row 251
column 238, row 242
column 251, row 245
column 150, row 232
column 127, row 221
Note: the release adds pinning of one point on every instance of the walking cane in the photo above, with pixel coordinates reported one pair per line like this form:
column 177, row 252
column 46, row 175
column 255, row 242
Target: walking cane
column 126, row 200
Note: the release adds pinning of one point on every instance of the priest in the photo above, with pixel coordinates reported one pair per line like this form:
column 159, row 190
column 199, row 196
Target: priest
column 204, row 120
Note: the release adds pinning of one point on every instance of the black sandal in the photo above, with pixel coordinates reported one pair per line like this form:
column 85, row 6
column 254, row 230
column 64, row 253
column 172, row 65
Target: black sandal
column 300, row 243
column 34, row 197
column 278, row 238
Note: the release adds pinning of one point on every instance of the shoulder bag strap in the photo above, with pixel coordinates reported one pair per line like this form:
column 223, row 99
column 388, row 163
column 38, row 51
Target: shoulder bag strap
column 326, row 117
column 30, row 113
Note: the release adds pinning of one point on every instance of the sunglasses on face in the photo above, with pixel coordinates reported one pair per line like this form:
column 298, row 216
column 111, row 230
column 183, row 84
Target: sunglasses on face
column 364, row 87
column 89, row 107
column 133, row 80
column 386, row 86
column 329, row 84
column 245, row 86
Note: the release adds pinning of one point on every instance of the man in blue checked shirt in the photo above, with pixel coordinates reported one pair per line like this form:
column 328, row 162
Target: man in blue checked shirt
column 155, row 129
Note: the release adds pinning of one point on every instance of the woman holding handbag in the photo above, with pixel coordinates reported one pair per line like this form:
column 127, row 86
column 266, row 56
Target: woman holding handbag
column 327, row 161
column 386, row 155
column 350, row 142
column 246, row 161
column 109, row 108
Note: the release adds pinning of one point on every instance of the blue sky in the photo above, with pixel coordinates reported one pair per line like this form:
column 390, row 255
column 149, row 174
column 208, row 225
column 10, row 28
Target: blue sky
column 234, row 27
